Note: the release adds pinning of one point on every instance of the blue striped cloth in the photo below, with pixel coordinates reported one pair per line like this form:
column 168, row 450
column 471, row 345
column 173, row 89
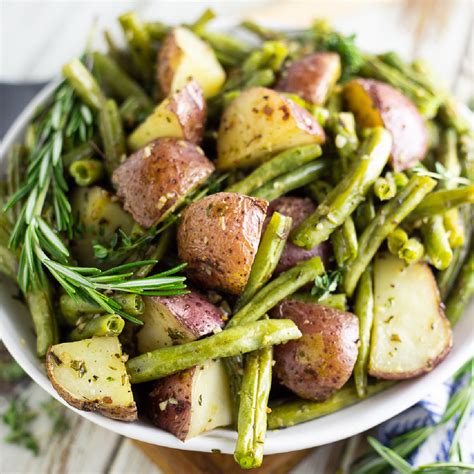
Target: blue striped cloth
column 428, row 412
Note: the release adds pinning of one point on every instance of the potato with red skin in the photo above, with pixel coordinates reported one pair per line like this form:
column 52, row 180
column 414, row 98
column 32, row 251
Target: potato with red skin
column 298, row 209
column 375, row 103
column 156, row 178
column 218, row 238
column 312, row 77
column 322, row 360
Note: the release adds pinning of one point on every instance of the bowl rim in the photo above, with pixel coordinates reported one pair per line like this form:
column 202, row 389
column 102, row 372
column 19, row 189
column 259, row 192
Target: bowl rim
column 328, row 429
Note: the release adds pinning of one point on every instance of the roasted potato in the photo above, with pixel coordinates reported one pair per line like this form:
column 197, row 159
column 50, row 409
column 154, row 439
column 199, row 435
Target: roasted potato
column 320, row 362
column 261, row 122
column 218, row 237
column 177, row 319
column 192, row 401
column 312, row 77
column 410, row 333
column 298, row 209
column 99, row 216
column 182, row 115
column 183, row 55
column 155, row 179
column 90, row 375
column 374, row 104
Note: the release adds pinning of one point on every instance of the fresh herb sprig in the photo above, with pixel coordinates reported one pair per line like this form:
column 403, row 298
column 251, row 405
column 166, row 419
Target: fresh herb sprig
column 326, row 284
column 440, row 174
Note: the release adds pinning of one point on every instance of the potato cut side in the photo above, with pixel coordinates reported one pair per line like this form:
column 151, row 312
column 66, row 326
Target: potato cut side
column 192, row 401
column 259, row 123
column 90, row 375
column 181, row 115
column 183, row 56
column 410, row 334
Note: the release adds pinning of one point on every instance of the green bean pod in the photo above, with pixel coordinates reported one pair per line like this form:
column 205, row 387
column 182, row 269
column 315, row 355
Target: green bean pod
column 411, row 251
column 348, row 193
column 252, row 421
column 87, row 172
column 364, row 213
column 85, row 151
column 104, row 325
column 231, row 342
column 333, row 300
column 157, row 30
column 396, row 240
column 454, row 225
column 386, row 221
column 385, row 187
column 436, row 242
column 344, row 242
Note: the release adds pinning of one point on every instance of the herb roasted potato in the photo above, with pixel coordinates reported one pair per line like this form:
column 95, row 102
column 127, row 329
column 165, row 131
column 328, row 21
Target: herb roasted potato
column 410, row 333
column 90, row 375
column 261, row 122
column 312, row 77
column 192, row 401
column 184, row 55
column 375, row 103
column 218, row 238
column 320, row 362
column 170, row 320
column 298, row 209
column 155, row 179
column 182, row 115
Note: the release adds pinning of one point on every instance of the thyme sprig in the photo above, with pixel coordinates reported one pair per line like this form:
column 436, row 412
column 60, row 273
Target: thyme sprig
column 440, row 174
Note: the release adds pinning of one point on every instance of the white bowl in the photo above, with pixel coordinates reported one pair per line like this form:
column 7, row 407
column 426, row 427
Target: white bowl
column 17, row 333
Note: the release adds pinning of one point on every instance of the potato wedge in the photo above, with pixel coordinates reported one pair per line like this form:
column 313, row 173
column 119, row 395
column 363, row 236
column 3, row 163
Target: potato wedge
column 298, row 209
column 320, row 362
column 410, row 333
column 99, row 216
column 156, row 179
column 192, row 401
column 90, row 375
column 375, row 103
column 184, row 55
column 312, row 77
column 218, row 237
column 182, row 115
column 259, row 123
column 177, row 319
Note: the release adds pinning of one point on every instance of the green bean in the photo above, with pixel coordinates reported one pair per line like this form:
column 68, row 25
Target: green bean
column 41, row 309
column 263, row 78
column 277, row 290
column 466, row 155
column 111, row 132
column 292, row 180
column 364, row 309
column 441, row 201
column 365, row 213
column 261, row 31
column 86, row 172
column 85, row 151
column 385, row 188
column 387, row 219
column 157, row 30
column 349, row 192
column 157, row 252
column 117, row 54
column 462, row 291
column 225, row 44
column 343, row 128
column 131, row 112
column 105, row 325
column 231, row 342
column 298, row 411
column 454, row 226
column 268, row 255
column 119, row 82
column 318, row 190
column 334, row 103
column 333, row 300
column 412, row 251
column 436, row 242
column 84, row 84
column 344, row 242
column 138, row 40
column 396, row 240
column 252, row 422
column 280, row 164
column 400, row 178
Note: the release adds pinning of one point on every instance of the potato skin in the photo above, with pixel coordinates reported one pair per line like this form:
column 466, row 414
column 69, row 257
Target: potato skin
column 312, row 77
column 298, row 209
column 169, row 57
column 173, row 417
column 218, row 237
column 154, row 179
column 376, row 103
column 322, row 360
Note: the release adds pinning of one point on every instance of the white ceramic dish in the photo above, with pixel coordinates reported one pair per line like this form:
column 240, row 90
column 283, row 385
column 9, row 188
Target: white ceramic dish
column 17, row 333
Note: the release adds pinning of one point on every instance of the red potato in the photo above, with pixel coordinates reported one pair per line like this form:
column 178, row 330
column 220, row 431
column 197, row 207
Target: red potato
column 312, row 77
column 170, row 320
column 298, row 209
column 218, row 237
column 322, row 360
column 156, row 179
column 375, row 103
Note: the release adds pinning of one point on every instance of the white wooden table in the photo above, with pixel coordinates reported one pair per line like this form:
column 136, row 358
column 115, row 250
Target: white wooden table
column 439, row 31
